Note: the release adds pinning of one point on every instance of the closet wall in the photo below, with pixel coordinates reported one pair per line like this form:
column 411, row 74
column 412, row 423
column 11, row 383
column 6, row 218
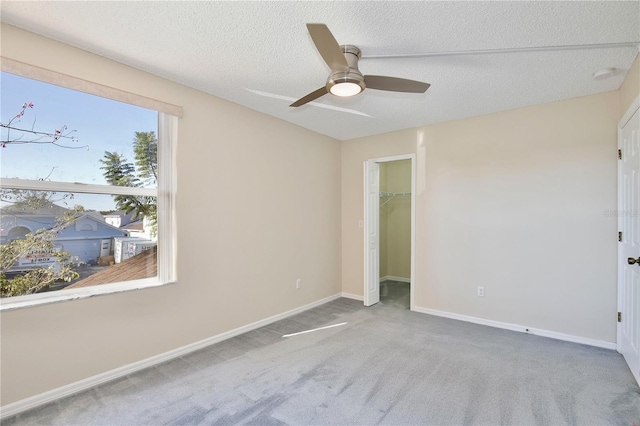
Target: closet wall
column 395, row 220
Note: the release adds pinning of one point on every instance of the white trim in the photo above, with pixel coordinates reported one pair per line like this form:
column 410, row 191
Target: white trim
column 70, row 389
column 30, row 300
column 518, row 328
column 632, row 110
column 392, row 278
column 371, row 212
column 45, row 185
column 619, row 267
column 365, row 238
column 167, row 227
column 414, row 187
column 352, row 296
column 392, row 158
column 58, row 79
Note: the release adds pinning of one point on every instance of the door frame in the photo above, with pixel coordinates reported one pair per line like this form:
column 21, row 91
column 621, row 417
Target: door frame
column 635, row 106
column 411, row 157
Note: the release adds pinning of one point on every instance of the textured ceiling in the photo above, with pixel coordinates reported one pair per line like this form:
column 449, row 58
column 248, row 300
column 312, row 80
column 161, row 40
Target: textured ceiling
column 259, row 54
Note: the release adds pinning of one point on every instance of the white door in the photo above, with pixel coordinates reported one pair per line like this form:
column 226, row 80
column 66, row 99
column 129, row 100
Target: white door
column 372, row 230
column 105, row 248
column 629, row 247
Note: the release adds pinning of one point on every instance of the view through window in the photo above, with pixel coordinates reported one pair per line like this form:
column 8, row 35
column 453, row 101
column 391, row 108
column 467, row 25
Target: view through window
column 78, row 201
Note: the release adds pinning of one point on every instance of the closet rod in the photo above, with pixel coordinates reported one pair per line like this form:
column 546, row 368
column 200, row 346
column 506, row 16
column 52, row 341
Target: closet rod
column 392, row 195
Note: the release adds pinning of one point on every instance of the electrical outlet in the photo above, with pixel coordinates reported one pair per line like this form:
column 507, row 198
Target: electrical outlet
column 480, row 291
column 298, row 283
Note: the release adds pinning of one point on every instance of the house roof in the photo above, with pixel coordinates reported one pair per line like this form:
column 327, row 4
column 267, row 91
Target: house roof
column 259, row 53
column 96, row 216
column 143, row 265
column 46, row 215
column 46, row 208
column 23, row 208
column 138, row 225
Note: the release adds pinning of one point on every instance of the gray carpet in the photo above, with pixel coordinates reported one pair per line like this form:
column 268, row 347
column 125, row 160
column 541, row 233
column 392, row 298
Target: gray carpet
column 387, row 365
column 395, row 294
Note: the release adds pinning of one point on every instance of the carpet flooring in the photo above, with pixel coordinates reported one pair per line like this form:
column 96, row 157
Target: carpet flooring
column 386, row 365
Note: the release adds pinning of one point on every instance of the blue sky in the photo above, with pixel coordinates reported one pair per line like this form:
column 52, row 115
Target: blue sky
column 102, row 124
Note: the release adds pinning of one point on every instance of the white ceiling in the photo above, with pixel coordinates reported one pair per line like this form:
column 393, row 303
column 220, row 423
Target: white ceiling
column 259, row 54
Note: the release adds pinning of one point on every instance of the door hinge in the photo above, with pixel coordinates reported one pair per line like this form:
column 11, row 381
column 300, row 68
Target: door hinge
column 619, row 316
column 619, row 154
column 620, row 236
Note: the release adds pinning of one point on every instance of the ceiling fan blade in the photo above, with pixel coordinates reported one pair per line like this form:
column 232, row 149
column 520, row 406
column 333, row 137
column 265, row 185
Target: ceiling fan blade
column 328, row 47
column 395, row 84
column 310, row 97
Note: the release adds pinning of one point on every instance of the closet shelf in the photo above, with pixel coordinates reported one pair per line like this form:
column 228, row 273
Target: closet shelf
column 392, row 195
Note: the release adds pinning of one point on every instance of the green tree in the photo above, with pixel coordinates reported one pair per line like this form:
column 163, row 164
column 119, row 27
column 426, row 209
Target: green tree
column 145, row 149
column 118, row 171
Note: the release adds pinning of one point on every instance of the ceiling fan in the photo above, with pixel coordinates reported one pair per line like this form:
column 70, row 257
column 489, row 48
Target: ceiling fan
column 345, row 78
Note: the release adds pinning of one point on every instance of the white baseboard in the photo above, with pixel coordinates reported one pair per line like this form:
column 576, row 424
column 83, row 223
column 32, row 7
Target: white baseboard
column 392, row 278
column 518, row 328
column 70, row 389
column 352, row 296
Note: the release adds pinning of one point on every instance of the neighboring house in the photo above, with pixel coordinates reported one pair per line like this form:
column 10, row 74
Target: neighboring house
column 141, row 229
column 135, row 229
column 86, row 239
column 118, row 219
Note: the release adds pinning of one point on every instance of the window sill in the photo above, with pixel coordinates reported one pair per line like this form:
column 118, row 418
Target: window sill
column 18, row 302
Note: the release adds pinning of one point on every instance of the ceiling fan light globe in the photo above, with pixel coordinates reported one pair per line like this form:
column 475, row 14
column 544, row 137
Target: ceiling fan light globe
column 345, row 89
column 345, row 83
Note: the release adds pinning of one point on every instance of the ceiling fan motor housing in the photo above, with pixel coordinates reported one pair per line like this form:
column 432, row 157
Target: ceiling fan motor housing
column 352, row 75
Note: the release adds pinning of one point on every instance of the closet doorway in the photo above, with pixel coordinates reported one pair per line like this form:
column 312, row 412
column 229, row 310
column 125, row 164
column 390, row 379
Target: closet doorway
column 389, row 224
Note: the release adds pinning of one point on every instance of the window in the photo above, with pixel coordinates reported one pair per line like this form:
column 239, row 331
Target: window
column 17, row 232
column 86, row 190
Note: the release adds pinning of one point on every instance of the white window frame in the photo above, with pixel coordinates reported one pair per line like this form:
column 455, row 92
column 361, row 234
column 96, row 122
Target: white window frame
column 164, row 193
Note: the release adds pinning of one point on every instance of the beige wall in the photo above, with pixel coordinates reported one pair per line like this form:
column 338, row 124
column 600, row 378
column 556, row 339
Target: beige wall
column 631, row 86
column 395, row 220
column 513, row 201
column 269, row 192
